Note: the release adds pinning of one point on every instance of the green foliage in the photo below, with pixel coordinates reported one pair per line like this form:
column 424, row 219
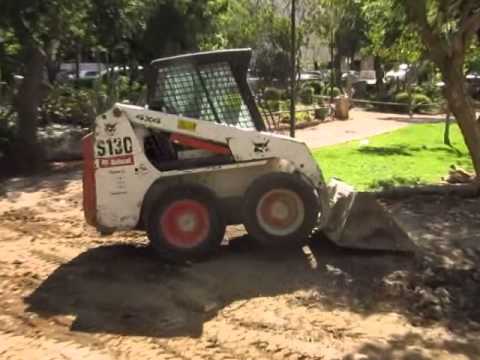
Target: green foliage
column 420, row 99
column 306, row 95
column 316, row 85
column 472, row 60
column 417, row 99
column 327, row 91
column 7, row 129
column 321, row 113
column 68, row 105
column 390, row 36
column 258, row 25
column 402, row 97
column 432, row 91
column 273, row 105
column 272, row 93
column 415, row 154
column 342, row 18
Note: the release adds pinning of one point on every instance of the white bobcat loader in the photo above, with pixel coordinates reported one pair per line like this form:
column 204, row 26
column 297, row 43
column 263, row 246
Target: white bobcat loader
column 198, row 158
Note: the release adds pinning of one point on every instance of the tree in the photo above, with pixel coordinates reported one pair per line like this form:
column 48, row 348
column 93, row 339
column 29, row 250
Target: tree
column 389, row 37
column 259, row 25
column 447, row 29
column 442, row 31
column 127, row 31
column 36, row 25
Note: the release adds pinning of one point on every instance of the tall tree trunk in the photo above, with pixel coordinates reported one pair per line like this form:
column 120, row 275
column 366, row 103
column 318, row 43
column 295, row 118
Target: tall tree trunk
column 338, row 69
column 26, row 151
column 446, row 132
column 379, row 75
column 462, row 107
column 53, row 65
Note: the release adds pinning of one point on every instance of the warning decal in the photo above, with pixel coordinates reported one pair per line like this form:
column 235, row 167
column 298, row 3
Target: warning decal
column 187, row 125
column 124, row 160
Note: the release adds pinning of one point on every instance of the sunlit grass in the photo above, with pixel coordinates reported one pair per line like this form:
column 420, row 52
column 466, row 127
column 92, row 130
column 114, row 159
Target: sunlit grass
column 412, row 155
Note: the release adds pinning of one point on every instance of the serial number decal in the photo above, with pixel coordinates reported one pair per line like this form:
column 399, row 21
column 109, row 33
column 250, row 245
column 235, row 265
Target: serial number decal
column 149, row 119
column 124, row 160
column 187, row 125
column 115, row 146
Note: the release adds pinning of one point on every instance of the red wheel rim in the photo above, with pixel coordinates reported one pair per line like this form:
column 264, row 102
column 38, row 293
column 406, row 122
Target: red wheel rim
column 280, row 212
column 185, row 223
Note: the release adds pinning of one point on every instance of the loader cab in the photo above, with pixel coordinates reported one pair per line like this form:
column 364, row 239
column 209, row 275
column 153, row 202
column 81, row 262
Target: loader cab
column 210, row 86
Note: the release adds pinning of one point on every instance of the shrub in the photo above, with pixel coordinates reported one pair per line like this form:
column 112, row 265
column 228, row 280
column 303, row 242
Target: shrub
column 7, row 129
column 284, row 105
column 321, row 113
column 402, row 97
column 273, row 105
column 306, row 95
column 417, row 99
column 272, row 94
column 432, row 91
column 316, row 85
column 420, row 99
column 67, row 105
column 336, row 91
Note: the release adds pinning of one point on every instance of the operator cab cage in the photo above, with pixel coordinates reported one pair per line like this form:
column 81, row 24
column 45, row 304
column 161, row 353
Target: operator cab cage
column 210, row 86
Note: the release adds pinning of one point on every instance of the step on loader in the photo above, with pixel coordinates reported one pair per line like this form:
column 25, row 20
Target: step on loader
column 198, row 157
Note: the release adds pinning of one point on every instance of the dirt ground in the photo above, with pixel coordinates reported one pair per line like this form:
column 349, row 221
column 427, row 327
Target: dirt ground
column 362, row 124
column 67, row 293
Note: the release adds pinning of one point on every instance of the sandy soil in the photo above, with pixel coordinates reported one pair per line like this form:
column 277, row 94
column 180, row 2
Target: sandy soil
column 67, row 293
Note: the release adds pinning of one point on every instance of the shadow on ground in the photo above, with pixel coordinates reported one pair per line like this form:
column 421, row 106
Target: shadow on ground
column 124, row 289
column 416, row 119
column 406, row 150
column 415, row 347
column 59, row 175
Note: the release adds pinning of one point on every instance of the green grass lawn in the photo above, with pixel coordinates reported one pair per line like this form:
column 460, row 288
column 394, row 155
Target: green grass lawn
column 412, row 155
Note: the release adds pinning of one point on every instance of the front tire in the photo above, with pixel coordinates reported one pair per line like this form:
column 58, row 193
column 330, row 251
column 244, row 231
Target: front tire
column 280, row 209
column 184, row 222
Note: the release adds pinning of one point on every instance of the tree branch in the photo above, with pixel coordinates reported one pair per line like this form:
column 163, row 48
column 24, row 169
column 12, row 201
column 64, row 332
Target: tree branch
column 471, row 25
column 416, row 11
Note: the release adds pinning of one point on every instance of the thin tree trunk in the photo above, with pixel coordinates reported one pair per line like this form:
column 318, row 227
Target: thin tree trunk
column 332, row 75
column 78, row 60
column 461, row 106
column 53, row 65
column 26, row 150
column 446, row 133
column 379, row 74
column 293, row 80
column 338, row 69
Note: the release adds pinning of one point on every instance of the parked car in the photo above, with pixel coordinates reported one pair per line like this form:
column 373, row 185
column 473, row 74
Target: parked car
column 399, row 73
column 366, row 76
column 310, row 76
column 84, row 74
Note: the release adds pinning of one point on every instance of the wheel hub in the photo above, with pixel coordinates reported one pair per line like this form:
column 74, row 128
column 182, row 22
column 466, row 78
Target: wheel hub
column 185, row 223
column 280, row 212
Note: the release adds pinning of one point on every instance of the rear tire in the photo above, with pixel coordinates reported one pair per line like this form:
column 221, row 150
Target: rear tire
column 184, row 222
column 280, row 209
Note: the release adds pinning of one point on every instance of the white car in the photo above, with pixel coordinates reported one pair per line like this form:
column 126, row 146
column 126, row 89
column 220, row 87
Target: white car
column 398, row 74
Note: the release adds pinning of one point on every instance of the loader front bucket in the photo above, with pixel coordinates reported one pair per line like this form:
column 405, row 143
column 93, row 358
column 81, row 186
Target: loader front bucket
column 356, row 220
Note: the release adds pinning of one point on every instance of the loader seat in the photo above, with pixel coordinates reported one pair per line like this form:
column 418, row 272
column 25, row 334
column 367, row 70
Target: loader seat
column 162, row 153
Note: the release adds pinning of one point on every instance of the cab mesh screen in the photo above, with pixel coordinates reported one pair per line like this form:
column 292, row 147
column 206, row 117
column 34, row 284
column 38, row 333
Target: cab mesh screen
column 208, row 92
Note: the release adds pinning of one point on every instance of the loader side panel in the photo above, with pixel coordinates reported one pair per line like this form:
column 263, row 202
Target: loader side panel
column 122, row 173
column 89, row 193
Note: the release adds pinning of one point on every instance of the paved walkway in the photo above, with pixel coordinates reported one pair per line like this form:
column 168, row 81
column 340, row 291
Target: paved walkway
column 362, row 124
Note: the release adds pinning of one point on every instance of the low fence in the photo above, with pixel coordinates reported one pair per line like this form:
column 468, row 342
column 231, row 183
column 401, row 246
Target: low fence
column 273, row 120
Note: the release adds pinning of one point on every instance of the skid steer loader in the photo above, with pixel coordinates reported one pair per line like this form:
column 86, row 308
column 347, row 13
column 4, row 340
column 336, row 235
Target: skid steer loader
column 198, row 157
